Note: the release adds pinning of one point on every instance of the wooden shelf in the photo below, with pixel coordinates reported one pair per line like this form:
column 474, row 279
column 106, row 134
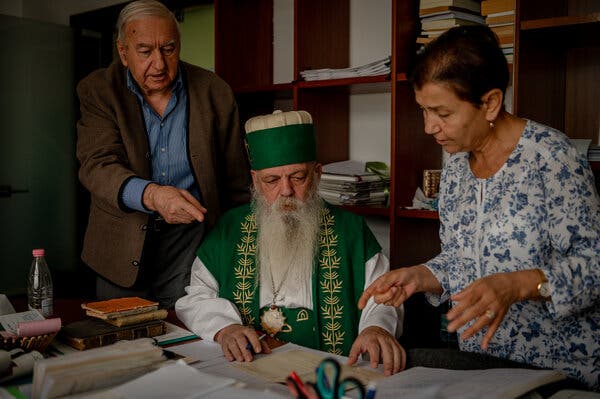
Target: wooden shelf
column 368, row 210
column 278, row 87
column 416, row 214
column 560, row 21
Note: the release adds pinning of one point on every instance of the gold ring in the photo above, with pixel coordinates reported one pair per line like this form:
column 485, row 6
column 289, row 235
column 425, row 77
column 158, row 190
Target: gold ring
column 490, row 314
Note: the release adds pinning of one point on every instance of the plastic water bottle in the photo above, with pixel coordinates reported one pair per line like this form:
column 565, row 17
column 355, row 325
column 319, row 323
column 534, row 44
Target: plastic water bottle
column 39, row 285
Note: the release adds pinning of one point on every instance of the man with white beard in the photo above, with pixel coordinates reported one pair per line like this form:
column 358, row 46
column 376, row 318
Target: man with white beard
column 289, row 264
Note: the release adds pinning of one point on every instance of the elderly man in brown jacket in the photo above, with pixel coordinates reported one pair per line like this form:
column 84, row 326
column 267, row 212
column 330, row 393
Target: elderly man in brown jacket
column 162, row 155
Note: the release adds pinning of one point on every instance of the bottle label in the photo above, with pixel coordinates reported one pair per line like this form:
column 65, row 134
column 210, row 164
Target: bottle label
column 47, row 307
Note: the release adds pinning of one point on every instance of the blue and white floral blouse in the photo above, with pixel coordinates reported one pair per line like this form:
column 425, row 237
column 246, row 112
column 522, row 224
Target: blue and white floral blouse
column 540, row 210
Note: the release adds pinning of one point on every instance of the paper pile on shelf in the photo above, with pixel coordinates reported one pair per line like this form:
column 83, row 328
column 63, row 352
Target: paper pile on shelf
column 587, row 149
column 349, row 183
column 379, row 67
column 594, row 153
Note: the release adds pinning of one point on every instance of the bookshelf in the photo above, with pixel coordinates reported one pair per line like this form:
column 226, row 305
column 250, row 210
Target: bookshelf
column 557, row 64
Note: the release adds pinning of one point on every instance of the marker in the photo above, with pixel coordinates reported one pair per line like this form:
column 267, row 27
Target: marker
column 371, row 390
column 249, row 346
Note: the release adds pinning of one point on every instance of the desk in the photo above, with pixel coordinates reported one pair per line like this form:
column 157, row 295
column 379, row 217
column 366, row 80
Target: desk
column 436, row 381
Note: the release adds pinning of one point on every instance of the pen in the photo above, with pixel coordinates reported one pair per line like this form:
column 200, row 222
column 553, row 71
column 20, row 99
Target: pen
column 249, row 346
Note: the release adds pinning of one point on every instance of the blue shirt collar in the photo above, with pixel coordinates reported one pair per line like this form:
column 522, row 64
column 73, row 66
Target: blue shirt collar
column 135, row 88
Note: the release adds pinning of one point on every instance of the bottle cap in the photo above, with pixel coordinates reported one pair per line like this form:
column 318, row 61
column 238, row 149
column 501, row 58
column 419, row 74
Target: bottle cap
column 38, row 252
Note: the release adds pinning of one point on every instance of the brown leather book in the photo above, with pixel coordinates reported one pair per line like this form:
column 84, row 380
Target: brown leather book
column 118, row 307
column 158, row 314
column 93, row 333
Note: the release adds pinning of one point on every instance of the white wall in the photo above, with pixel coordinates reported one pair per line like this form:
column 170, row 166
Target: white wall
column 370, row 114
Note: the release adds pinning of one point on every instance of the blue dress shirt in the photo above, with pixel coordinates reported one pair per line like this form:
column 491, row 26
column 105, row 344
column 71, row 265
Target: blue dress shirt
column 167, row 137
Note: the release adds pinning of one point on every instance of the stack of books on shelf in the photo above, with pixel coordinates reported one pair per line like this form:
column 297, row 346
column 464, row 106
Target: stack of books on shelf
column 379, row 67
column 350, row 183
column 437, row 16
column 500, row 17
column 113, row 320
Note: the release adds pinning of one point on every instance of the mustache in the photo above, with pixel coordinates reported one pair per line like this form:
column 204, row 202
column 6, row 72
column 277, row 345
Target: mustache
column 287, row 204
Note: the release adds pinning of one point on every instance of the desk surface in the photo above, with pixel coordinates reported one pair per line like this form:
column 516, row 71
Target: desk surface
column 69, row 310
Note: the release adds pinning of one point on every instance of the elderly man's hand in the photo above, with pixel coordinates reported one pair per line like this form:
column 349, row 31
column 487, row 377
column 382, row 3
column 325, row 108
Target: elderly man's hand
column 380, row 345
column 175, row 205
column 234, row 340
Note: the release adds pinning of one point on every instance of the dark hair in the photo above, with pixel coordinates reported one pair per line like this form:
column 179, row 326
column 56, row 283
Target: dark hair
column 467, row 58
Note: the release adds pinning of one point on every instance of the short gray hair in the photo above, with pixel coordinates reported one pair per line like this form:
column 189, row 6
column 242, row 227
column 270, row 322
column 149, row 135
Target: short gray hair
column 140, row 9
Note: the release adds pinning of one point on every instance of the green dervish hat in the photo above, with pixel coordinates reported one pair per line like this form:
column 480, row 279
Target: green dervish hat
column 281, row 138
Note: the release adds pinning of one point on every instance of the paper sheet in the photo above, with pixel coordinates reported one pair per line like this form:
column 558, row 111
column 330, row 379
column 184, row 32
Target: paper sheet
column 5, row 306
column 22, row 364
column 176, row 380
column 277, row 366
column 423, row 382
column 203, row 351
column 9, row 322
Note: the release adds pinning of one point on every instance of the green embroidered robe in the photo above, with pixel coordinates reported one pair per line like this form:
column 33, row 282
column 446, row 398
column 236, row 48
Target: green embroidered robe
column 345, row 245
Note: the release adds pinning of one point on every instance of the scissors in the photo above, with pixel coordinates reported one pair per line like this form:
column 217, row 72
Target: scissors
column 329, row 385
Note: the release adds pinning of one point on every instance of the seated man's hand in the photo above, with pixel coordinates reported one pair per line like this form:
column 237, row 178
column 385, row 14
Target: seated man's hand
column 234, row 340
column 381, row 346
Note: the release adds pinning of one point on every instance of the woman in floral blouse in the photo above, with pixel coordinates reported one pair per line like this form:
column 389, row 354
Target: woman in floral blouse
column 520, row 219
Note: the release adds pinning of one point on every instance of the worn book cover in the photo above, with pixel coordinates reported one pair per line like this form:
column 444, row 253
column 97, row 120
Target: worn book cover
column 93, row 333
column 158, row 314
column 118, row 307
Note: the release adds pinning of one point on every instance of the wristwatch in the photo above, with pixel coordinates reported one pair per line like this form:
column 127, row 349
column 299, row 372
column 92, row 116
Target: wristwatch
column 543, row 287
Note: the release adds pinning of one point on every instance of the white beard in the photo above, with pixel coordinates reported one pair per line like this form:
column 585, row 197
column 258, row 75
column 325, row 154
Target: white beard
column 287, row 243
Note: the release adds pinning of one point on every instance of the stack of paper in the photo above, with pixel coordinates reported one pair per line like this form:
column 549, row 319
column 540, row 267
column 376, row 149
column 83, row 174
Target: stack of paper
column 380, row 67
column 349, row 183
column 593, row 153
column 95, row 368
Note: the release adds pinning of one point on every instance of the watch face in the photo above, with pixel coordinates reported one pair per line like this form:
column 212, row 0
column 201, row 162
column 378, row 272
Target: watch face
column 544, row 289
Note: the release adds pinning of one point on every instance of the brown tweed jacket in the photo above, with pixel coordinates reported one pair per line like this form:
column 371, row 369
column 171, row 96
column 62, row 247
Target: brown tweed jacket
column 112, row 147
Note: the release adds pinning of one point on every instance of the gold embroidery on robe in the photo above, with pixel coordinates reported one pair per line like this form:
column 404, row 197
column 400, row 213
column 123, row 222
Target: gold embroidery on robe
column 245, row 269
column 302, row 315
column 331, row 285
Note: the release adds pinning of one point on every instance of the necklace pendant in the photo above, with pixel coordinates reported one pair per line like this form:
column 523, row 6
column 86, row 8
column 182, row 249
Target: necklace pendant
column 272, row 320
